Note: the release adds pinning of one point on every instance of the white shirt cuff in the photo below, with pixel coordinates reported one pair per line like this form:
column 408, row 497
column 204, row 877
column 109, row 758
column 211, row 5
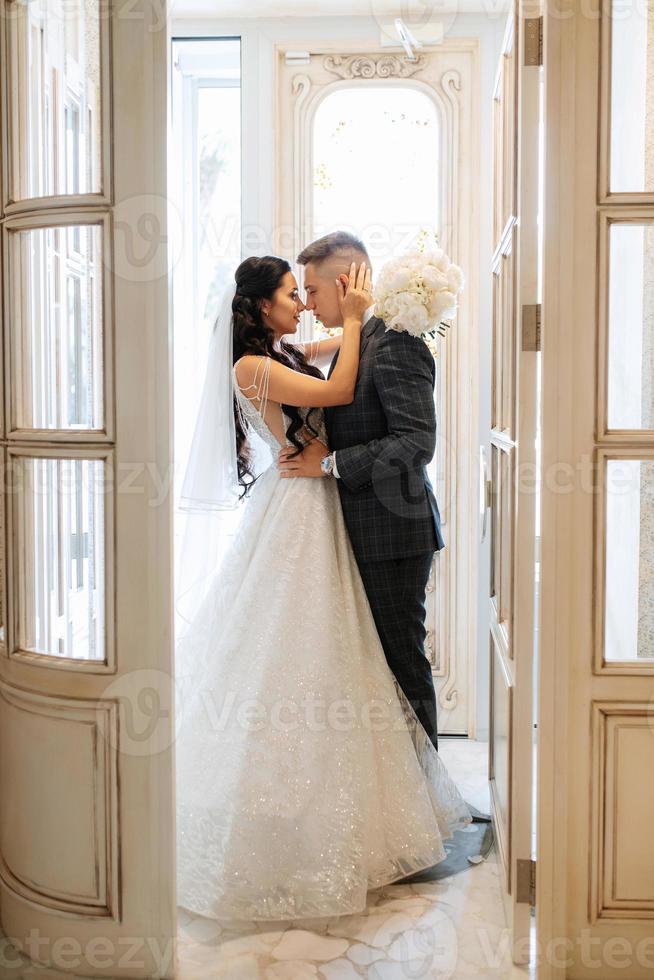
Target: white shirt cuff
column 335, row 471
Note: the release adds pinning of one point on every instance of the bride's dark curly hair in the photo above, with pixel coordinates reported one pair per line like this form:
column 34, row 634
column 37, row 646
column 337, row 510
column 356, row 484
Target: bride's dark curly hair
column 257, row 278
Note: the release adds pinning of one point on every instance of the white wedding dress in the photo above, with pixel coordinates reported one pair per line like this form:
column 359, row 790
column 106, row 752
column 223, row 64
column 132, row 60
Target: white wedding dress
column 304, row 777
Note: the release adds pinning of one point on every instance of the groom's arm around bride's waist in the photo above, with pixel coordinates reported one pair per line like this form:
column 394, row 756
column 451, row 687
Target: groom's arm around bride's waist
column 403, row 375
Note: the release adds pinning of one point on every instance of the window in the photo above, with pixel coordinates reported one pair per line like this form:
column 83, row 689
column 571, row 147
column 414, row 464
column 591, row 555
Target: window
column 376, row 173
column 376, row 166
column 205, row 168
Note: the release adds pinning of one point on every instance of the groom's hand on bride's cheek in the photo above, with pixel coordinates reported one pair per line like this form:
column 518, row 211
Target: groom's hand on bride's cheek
column 307, row 463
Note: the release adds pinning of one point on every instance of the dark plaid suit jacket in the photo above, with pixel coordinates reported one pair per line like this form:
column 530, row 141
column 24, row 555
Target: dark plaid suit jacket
column 383, row 441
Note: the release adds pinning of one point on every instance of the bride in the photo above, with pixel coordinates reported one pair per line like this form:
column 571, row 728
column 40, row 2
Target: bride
column 304, row 777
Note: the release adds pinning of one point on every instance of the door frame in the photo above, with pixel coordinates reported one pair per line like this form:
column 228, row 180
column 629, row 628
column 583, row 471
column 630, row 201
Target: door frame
column 557, row 574
column 452, row 620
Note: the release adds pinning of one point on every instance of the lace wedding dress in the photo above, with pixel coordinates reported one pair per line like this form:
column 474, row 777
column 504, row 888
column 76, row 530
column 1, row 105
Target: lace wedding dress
column 304, row 777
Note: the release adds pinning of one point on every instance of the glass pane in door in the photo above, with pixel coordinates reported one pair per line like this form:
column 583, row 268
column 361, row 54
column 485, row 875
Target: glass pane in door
column 631, row 326
column 56, row 329
column 632, row 91
column 629, row 568
column 55, row 104
column 59, row 556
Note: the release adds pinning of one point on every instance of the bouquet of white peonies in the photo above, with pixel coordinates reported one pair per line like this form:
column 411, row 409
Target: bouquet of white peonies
column 418, row 292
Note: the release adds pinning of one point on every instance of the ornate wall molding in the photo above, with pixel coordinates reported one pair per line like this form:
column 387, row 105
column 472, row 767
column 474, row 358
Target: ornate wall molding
column 301, row 88
column 370, row 66
column 432, row 645
column 450, row 84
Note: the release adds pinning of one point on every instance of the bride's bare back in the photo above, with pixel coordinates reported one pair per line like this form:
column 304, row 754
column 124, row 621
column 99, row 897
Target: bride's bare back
column 257, row 392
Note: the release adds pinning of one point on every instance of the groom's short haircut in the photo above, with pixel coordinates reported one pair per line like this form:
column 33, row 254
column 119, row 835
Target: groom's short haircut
column 340, row 246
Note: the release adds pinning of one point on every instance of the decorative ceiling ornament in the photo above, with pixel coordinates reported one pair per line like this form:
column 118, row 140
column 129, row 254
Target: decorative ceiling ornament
column 366, row 66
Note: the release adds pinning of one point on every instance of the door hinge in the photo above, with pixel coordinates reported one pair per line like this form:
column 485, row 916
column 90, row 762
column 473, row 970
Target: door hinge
column 531, row 326
column 533, row 41
column 526, row 881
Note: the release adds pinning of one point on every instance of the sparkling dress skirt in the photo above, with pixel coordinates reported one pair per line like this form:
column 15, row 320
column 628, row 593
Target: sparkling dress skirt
column 304, row 777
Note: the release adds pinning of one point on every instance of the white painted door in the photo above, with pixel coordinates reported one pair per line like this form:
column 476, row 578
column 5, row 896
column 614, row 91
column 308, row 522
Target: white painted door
column 86, row 730
column 513, row 483
column 374, row 143
column 595, row 902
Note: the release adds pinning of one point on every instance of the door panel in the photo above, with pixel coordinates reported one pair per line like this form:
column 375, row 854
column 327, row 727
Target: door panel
column 65, row 855
column 86, row 731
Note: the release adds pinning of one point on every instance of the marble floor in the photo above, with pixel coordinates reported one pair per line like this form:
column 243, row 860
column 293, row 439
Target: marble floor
column 442, row 930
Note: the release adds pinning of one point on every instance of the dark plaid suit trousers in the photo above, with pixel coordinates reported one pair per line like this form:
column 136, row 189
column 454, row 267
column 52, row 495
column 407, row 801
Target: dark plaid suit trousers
column 384, row 441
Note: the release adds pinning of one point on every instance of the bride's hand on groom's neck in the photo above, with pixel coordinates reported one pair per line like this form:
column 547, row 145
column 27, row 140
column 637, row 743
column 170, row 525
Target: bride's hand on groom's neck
column 355, row 293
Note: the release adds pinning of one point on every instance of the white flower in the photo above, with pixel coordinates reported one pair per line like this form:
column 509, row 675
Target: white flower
column 455, row 279
column 417, row 291
column 433, row 278
column 399, row 278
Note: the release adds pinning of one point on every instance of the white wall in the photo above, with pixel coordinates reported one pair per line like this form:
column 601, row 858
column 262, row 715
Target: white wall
column 258, row 38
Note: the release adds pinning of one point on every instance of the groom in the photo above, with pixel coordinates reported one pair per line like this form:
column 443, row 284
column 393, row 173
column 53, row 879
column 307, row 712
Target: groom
column 381, row 444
